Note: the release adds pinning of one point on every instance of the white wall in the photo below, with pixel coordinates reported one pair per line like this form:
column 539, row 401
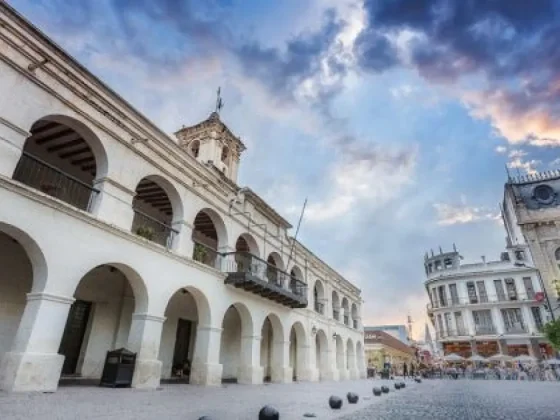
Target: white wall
column 230, row 349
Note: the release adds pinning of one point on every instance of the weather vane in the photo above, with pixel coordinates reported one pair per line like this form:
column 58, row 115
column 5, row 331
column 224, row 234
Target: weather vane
column 219, row 102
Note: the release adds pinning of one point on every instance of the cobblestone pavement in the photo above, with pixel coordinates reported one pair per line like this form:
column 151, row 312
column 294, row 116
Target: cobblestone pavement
column 432, row 399
column 467, row 399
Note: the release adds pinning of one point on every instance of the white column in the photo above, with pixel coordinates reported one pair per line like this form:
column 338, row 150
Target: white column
column 497, row 320
column 12, row 140
column 281, row 372
column 183, row 243
column 305, row 364
column 125, row 321
column 34, row 364
column 343, row 373
column 206, row 368
column 250, row 369
column 528, row 320
column 144, row 340
column 353, row 367
column 331, row 371
column 113, row 203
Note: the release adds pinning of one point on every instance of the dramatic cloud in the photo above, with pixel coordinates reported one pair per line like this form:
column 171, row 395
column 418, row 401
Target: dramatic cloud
column 511, row 46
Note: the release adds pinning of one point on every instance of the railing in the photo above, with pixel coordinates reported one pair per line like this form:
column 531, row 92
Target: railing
column 319, row 307
column 152, row 229
column 346, row 320
column 355, row 324
column 516, row 330
column 49, row 179
column 481, row 299
column 245, row 262
column 484, row 330
column 461, row 332
column 206, row 255
column 336, row 314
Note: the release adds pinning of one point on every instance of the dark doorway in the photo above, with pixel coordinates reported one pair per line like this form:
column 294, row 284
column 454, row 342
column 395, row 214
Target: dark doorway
column 181, row 359
column 73, row 336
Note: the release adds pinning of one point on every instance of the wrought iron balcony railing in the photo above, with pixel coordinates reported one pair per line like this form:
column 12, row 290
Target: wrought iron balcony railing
column 485, row 330
column 253, row 274
column 319, row 307
column 518, row 329
column 49, row 179
column 336, row 314
column 481, row 299
column 152, row 229
column 355, row 324
column 461, row 332
column 346, row 320
column 206, row 255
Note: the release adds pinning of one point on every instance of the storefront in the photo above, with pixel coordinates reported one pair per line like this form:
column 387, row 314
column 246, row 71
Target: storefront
column 462, row 348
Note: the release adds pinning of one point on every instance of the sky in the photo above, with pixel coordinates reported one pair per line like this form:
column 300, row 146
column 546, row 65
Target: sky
column 394, row 118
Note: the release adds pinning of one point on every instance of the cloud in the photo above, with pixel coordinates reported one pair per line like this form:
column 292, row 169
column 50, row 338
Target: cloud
column 361, row 181
column 448, row 214
column 501, row 149
column 510, row 47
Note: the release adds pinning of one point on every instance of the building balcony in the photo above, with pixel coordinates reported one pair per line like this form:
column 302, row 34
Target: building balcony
column 248, row 272
column 355, row 324
column 485, row 330
column 481, row 300
column 440, row 335
column 152, row 229
column 346, row 320
column 336, row 314
column 519, row 329
column 319, row 307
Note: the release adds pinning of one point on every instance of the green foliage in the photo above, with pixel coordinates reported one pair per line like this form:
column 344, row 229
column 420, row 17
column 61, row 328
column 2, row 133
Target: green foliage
column 145, row 232
column 200, row 253
column 552, row 332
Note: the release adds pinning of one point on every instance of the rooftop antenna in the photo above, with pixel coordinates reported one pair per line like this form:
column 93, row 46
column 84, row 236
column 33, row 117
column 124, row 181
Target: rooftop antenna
column 454, row 247
column 297, row 231
column 219, row 101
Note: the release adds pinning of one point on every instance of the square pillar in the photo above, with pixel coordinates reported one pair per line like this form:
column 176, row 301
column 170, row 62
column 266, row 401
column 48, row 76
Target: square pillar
column 183, row 243
column 33, row 364
column 113, row 203
column 281, row 372
column 305, row 364
column 250, row 369
column 206, row 368
column 330, row 371
column 144, row 339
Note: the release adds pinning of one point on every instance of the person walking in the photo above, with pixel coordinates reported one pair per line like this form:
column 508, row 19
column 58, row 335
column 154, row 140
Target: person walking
column 405, row 371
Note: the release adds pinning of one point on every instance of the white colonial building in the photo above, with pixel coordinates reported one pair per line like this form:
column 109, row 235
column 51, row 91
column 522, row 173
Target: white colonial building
column 114, row 234
column 488, row 307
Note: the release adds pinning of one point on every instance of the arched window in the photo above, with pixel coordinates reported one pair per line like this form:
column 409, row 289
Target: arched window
column 195, row 148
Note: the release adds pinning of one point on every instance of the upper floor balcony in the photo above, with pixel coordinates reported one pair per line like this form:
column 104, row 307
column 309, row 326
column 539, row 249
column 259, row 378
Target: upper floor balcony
column 455, row 333
column 253, row 274
column 481, row 299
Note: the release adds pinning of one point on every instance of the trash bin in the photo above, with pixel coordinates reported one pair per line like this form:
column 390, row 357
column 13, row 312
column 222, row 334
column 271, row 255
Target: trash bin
column 119, row 368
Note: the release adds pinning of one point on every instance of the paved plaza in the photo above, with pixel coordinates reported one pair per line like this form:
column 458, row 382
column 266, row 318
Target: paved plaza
column 432, row 399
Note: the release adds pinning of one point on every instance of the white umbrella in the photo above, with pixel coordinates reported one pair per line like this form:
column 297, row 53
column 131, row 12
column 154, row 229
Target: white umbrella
column 477, row 358
column 525, row 359
column 500, row 358
column 452, row 357
column 552, row 362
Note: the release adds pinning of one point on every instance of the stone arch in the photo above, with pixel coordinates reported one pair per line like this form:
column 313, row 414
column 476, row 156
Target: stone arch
column 24, row 270
column 350, row 356
column 237, row 324
column 345, row 311
column 100, row 318
column 247, row 243
column 321, row 354
column 272, row 348
column 209, row 236
column 336, row 305
column 275, row 269
column 319, row 300
column 157, row 205
column 298, row 350
column 224, row 157
column 187, row 309
column 194, row 148
column 62, row 158
column 557, row 254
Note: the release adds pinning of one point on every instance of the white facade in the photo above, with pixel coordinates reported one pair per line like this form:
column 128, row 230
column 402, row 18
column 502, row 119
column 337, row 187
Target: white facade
column 488, row 307
column 113, row 234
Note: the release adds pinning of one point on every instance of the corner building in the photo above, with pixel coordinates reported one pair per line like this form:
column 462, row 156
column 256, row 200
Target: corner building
column 113, row 234
column 487, row 308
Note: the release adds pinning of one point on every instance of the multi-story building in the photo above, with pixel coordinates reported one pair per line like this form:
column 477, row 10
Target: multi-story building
column 488, row 307
column 531, row 213
column 400, row 332
column 114, row 234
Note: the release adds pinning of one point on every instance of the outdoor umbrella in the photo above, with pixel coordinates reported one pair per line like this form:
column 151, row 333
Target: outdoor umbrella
column 452, row 357
column 552, row 362
column 500, row 358
column 477, row 358
column 525, row 359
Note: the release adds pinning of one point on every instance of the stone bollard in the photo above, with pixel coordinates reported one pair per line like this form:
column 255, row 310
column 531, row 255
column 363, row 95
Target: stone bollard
column 269, row 413
column 205, row 418
column 397, row 385
column 352, row 398
column 377, row 392
column 385, row 389
column 335, row 402
column 403, row 385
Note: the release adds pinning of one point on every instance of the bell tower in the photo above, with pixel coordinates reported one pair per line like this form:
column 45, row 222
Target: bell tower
column 212, row 143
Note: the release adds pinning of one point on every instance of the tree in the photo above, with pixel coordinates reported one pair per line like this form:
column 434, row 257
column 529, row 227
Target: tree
column 552, row 332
